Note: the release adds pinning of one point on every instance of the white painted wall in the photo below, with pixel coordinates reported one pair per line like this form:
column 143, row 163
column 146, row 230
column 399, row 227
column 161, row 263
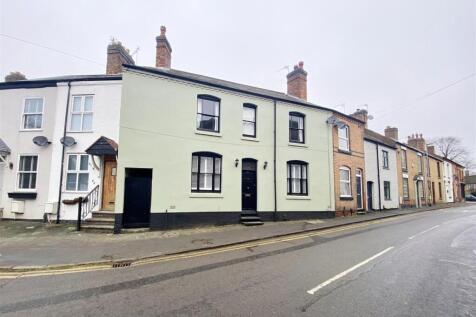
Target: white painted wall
column 372, row 168
column 448, row 181
column 106, row 109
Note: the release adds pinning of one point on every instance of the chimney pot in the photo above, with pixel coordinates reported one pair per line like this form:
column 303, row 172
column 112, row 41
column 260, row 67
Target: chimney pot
column 163, row 29
column 301, row 64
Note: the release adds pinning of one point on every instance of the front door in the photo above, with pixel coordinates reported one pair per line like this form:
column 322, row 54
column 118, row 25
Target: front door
column 433, row 192
column 248, row 185
column 109, row 184
column 370, row 204
column 359, row 189
column 137, row 197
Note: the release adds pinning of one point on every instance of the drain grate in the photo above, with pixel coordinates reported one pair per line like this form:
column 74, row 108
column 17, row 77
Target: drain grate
column 121, row 264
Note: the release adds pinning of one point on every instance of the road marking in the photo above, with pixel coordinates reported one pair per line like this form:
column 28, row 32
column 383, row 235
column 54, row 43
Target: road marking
column 340, row 275
column 425, row 231
column 199, row 253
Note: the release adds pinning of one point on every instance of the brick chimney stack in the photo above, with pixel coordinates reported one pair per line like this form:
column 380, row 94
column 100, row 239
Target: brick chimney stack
column 117, row 55
column 431, row 149
column 391, row 132
column 417, row 141
column 362, row 115
column 297, row 82
column 163, row 57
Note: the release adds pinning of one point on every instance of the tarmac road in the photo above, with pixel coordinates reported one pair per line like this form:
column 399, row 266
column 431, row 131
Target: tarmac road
column 422, row 264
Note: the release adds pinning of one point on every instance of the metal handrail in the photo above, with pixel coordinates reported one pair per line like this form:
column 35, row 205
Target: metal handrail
column 89, row 202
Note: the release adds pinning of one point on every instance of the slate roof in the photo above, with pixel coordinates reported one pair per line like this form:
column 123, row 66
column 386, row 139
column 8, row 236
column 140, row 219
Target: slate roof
column 229, row 85
column 103, row 146
column 4, row 149
column 379, row 138
column 53, row 81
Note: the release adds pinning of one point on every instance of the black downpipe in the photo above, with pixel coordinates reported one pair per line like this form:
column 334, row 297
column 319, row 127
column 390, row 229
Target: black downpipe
column 274, row 165
column 378, row 180
column 62, row 155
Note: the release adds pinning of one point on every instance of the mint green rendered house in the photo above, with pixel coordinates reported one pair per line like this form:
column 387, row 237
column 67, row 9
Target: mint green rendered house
column 198, row 150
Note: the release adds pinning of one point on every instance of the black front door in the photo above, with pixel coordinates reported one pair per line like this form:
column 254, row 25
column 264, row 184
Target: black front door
column 137, row 196
column 370, row 205
column 248, row 184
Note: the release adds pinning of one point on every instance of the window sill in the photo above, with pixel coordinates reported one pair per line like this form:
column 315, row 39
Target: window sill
column 206, row 195
column 246, row 138
column 215, row 134
column 344, row 152
column 31, row 130
column 297, row 197
column 346, row 198
column 298, row 144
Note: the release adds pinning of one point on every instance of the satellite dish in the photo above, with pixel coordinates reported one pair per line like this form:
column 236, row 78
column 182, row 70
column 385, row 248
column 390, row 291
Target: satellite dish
column 68, row 141
column 331, row 120
column 41, row 140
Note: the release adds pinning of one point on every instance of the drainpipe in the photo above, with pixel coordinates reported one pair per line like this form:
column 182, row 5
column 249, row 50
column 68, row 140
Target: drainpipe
column 62, row 155
column 378, row 180
column 275, row 214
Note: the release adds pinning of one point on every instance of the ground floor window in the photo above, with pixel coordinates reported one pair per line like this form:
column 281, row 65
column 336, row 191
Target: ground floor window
column 27, row 169
column 439, row 190
column 345, row 188
column 77, row 177
column 297, row 178
column 405, row 188
column 206, row 172
column 386, row 190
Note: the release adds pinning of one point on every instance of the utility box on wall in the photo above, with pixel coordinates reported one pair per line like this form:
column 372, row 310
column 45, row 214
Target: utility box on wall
column 51, row 208
column 18, row 206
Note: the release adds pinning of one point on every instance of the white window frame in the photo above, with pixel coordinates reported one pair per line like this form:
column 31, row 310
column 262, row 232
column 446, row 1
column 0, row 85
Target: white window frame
column 346, row 139
column 81, row 112
column 385, row 159
column 348, row 181
column 389, row 191
column 17, row 178
column 407, row 193
column 23, row 115
column 76, row 171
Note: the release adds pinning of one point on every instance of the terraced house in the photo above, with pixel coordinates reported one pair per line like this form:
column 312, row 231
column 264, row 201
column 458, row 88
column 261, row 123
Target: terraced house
column 349, row 162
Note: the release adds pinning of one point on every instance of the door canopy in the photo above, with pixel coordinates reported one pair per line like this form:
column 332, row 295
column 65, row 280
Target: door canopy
column 103, row 146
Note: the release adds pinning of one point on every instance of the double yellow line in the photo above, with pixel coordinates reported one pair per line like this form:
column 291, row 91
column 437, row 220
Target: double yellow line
column 89, row 267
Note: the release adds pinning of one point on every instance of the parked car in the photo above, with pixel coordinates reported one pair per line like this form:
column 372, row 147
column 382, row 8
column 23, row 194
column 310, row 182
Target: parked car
column 470, row 198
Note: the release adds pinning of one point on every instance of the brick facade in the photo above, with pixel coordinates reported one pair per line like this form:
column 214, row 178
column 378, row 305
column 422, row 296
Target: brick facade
column 163, row 57
column 354, row 160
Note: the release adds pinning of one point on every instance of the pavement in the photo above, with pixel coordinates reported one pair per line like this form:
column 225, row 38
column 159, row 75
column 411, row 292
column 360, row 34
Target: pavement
column 416, row 265
column 32, row 245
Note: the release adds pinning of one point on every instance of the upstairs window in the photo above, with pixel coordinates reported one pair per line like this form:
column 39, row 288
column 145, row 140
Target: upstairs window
column 297, row 178
column 344, row 182
column 343, row 135
column 404, row 159
column 420, row 164
column 82, row 114
column 296, row 127
column 32, row 114
column 206, row 172
column 385, row 159
column 77, row 176
column 27, row 170
column 208, row 113
column 249, row 120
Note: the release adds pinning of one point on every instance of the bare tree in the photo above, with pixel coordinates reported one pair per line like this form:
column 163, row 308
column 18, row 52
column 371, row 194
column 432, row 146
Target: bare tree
column 452, row 148
column 14, row 76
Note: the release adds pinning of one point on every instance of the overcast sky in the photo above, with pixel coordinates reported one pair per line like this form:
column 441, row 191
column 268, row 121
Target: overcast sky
column 395, row 56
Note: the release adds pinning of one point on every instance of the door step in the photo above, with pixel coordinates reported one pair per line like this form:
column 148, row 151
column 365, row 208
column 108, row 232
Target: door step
column 103, row 228
column 250, row 220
